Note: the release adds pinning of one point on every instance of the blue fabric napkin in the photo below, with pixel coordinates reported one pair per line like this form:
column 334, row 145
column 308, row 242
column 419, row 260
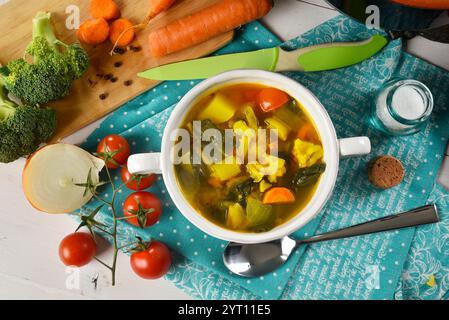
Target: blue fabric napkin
column 368, row 267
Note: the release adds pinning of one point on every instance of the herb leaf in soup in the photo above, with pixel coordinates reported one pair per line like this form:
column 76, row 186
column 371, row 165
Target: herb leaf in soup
column 307, row 176
column 192, row 175
column 240, row 191
column 214, row 143
column 220, row 211
column 207, row 124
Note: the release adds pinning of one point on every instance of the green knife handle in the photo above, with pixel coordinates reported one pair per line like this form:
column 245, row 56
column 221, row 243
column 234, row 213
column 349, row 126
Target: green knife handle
column 338, row 55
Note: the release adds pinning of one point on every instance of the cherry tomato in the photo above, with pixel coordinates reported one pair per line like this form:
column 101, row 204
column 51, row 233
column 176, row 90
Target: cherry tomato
column 145, row 205
column 152, row 262
column 77, row 249
column 137, row 182
column 114, row 149
column 270, row 99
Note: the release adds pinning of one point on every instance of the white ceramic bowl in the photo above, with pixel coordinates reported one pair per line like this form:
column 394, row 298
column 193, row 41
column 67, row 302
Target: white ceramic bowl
column 333, row 150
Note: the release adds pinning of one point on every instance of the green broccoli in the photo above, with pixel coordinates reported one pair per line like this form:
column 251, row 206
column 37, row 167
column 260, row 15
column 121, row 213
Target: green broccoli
column 54, row 67
column 22, row 128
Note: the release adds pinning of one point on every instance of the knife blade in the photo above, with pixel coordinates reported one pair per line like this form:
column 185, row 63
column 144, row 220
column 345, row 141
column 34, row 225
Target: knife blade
column 315, row 58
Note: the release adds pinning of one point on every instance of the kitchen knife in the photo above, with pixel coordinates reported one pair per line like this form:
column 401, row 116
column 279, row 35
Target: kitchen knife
column 315, row 58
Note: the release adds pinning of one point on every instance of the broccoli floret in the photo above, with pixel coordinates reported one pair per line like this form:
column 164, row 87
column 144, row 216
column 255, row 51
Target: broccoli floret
column 79, row 60
column 54, row 67
column 22, row 128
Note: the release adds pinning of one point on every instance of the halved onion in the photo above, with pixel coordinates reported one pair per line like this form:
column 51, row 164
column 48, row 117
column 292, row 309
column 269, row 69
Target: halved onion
column 50, row 176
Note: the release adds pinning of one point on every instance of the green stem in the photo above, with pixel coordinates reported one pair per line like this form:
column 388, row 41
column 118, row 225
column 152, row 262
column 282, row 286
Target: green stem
column 114, row 227
column 104, row 230
column 101, row 262
column 114, row 261
column 102, row 200
column 126, row 245
column 110, row 179
column 129, row 217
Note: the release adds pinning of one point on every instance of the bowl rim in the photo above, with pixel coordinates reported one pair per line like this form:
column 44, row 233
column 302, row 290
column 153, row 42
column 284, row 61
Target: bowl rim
column 315, row 110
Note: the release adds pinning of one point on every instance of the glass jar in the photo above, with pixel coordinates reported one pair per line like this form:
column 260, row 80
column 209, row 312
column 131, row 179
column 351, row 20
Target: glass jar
column 402, row 107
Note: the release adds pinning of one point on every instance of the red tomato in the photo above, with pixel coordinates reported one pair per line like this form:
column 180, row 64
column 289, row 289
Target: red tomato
column 152, row 262
column 114, row 149
column 270, row 99
column 137, row 182
column 145, row 205
column 77, row 249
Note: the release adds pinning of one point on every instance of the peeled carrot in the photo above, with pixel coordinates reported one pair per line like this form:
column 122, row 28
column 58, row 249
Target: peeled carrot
column 278, row 195
column 156, row 7
column 159, row 6
column 425, row 4
column 219, row 18
column 93, row 31
column 121, row 32
column 106, row 9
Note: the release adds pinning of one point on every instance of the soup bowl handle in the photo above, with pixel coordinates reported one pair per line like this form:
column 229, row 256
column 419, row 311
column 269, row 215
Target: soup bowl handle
column 145, row 163
column 356, row 146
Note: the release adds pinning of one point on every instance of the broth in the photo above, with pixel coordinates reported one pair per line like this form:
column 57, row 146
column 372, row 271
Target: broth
column 255, row 196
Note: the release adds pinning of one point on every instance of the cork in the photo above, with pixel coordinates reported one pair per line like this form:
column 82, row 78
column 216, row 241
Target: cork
column 385, row 172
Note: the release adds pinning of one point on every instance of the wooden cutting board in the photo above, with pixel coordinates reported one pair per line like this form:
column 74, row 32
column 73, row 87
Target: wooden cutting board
column 83, row 105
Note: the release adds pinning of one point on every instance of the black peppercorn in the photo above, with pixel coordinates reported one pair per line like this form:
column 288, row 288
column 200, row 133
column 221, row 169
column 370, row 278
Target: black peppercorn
column 119, row 50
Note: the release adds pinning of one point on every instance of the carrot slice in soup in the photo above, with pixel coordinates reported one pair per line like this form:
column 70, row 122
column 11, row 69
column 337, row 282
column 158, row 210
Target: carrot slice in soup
column 307, row 133
column 278, row 195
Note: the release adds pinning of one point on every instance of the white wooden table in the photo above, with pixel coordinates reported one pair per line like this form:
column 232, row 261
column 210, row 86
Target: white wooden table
column 29, row 264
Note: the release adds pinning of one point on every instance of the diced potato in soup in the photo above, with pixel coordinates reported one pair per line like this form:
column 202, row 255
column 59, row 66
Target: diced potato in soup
column 259, row 194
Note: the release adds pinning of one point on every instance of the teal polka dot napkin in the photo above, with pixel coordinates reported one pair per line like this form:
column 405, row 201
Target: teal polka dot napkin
column 380, row 266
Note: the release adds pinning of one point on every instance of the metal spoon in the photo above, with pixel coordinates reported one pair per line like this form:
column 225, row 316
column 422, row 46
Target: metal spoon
column 254, row 260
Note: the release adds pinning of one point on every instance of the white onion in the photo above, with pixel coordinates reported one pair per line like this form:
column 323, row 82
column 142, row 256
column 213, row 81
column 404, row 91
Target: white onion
column 51, row 174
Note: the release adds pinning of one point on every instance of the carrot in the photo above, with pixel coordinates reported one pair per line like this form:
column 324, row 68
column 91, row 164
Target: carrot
column 307, row 133
column 425, row 4
column 278, row 195
column 106, row 9
column 215, row 182
column 219, row 18
column 121, row 33
column 93, row 31
column 156, row 7
column 251, row 94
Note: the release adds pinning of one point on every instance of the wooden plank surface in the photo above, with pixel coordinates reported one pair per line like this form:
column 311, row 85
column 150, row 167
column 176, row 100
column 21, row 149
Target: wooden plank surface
column 83, row 105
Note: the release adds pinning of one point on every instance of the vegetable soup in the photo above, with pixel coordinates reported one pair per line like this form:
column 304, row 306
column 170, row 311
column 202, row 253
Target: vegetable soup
column 231, row 187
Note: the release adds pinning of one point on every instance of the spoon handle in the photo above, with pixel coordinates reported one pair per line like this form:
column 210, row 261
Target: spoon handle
column 419, row 216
